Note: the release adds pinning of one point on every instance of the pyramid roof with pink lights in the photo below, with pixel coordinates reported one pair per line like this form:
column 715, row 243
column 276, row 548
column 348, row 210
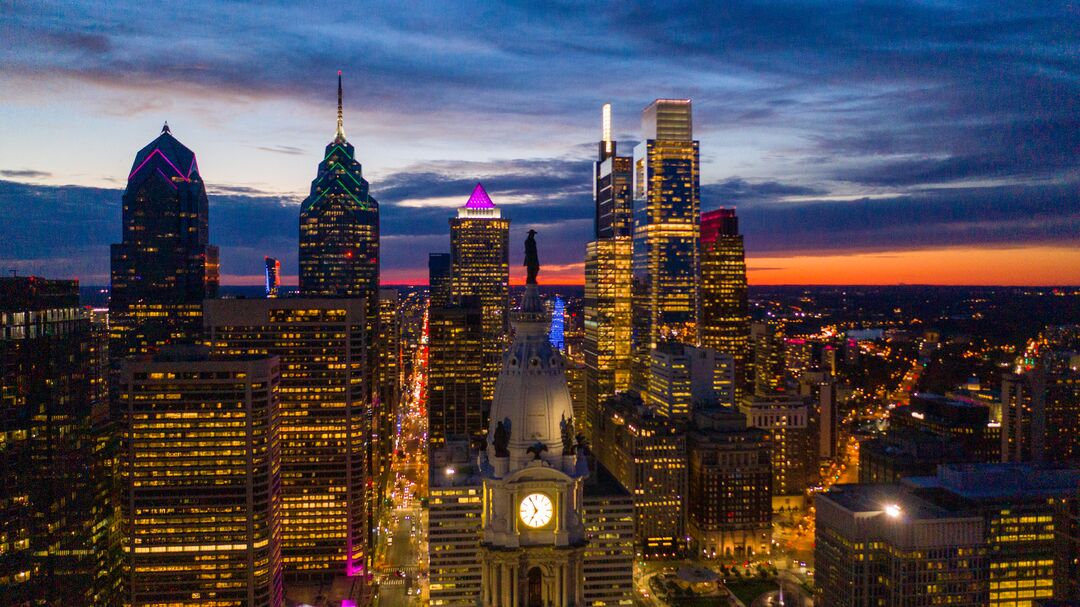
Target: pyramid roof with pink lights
column 479, row 199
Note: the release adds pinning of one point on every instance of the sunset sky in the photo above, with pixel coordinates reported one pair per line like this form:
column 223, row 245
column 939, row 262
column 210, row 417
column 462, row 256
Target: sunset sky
column 930, row 142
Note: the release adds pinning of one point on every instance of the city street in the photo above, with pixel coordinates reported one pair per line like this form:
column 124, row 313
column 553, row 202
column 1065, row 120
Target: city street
column 400, row 557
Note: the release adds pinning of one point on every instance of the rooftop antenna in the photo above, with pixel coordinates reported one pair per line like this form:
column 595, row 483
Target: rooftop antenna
column 340, row 115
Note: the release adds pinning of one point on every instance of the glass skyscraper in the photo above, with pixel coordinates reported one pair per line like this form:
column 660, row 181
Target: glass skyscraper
column 164, row 267
column 339, row 227
column 667, row 206
column 608, row 279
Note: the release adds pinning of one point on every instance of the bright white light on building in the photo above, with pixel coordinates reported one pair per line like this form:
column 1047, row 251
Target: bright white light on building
column 893, row 510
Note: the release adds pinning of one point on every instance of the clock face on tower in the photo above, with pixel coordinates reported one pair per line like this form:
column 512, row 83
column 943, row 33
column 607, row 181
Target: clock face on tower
column 536, row 510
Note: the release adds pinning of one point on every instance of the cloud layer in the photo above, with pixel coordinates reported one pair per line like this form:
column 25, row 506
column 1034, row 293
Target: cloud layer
column 834, row 128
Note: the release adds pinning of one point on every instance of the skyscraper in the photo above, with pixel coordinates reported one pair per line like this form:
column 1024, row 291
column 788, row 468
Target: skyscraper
column 273, row 277
column 667, row 207
column 455, row 395
column 611, row 187
column 57, row 523
column 555, row 333
column 199, row 470
column 339, row 227
column 480, row 267
column 725, row 315
column 326, row 422
column 608, row 279
column 439, row 274
column 164, row 267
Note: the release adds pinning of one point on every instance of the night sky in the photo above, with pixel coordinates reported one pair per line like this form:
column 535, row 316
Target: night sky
column 931, row 142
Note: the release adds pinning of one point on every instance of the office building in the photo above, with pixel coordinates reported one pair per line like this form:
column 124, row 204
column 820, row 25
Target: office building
column 273, row 276
column 953, row 421
column 558, row 320
column 164, row 267
column 439, row 273
column 902, row 453
column 769, row 362
column 667, row 207
column 882, row 545
column 612, row 192
column 455, row 395
column 607, row 510
column 1017, row 504
column 200, row 475
column 480, row 267
column 725, row 314
column 326, row 422
column 339, row 227
column 729, row 472
column 607, row 343
column 57, row 519
column 791, row 424
column 1040, row 409
column 820, row 388
column 391, row 379
column 684, row 378
column 455, row 506
column 646, row 453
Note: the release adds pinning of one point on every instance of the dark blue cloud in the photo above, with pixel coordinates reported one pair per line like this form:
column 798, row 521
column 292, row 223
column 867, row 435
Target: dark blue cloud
column 964, row 115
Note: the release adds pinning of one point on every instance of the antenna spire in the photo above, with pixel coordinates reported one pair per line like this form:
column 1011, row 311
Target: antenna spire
column 340, row 137
column 606, row 113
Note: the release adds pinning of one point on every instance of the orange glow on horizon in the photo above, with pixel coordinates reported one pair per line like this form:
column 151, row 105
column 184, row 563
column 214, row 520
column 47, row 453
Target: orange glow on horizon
column 1035, row 265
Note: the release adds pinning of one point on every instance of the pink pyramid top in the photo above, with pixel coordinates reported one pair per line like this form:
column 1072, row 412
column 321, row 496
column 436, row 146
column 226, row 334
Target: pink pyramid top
column 479, row 199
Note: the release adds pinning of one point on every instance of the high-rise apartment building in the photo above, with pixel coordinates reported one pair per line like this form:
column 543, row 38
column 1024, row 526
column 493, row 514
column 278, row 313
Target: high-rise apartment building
column 455, row 396
column 439, row 273
column 391, row 379
column 273, row 276
column 729, row 472
column 646, row 453
column 164, row 267
column 725, row 314
column 200, row 475
column 339, row 227
column 1040, row 410
column 326, row 422
column 667, row 207
column 607, row 343
column 480, row 267
column 57, row 518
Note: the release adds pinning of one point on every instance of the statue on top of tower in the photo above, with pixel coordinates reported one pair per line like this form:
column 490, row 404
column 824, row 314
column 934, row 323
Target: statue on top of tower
column 532, row 258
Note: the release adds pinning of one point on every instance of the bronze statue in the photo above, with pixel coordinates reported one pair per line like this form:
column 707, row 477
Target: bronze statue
column 567, row 428
column 532, row 259
column 501, row 441
column 537, row 449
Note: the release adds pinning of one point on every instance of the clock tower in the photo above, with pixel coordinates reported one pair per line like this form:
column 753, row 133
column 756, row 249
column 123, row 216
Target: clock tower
column 533, row 538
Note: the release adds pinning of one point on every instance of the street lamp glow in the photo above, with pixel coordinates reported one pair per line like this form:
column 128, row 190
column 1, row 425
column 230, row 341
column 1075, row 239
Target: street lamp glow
column 893, row 510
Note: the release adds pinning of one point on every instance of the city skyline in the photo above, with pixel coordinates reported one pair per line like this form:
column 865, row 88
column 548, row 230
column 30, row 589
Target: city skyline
column 887, row 157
